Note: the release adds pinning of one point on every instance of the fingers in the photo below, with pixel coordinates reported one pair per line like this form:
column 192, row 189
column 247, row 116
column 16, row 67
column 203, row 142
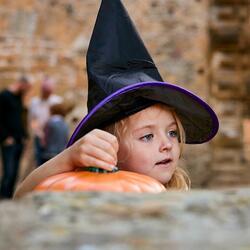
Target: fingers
column 105, row 136
column 97, row 148
column 98, row 153
column 105, row 146
column 92, row 161
column 103, row 140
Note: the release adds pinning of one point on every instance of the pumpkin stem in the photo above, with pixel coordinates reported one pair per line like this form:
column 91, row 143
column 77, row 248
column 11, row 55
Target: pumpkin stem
column 99, row 170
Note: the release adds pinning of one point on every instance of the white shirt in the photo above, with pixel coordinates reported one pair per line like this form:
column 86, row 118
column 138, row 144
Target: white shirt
column 40, row 111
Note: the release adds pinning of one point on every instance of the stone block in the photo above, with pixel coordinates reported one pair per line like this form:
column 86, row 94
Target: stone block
column 225, row 33
column 227, row 157
column 229, row 134
column 220, row 14
column 105, row 221
column 246, row 139
column 230, row 72
column 245, row 61
column 246, row 151
column 228, row 178
column 228, row 84
column 246, row 131
column 247, row 96
column 229, row 12
column 230, row 61
column 229, row 2
column 226, row 24
column 228, row 108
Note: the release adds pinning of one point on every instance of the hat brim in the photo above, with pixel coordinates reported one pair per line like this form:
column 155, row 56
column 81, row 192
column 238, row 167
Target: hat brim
column 198, row 119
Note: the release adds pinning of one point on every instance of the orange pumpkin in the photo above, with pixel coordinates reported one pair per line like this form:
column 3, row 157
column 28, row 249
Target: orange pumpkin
column 94, row 180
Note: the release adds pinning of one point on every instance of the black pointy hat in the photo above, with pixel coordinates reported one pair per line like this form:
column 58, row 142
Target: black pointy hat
column 123, row 79
column 116, row 48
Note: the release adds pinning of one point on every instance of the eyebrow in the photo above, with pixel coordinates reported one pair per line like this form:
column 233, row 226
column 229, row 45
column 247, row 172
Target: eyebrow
column 152, row 125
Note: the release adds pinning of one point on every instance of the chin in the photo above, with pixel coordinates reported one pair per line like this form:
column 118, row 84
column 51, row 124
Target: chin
column 164, row 179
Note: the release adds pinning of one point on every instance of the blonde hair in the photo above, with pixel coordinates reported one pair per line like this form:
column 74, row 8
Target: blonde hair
column 180, row 179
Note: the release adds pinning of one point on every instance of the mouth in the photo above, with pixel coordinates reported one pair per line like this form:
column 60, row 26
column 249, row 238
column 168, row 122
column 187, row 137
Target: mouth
column 164, row 162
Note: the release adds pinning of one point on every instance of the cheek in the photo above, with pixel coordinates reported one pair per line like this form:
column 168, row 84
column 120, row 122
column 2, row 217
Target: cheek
column 134, row 159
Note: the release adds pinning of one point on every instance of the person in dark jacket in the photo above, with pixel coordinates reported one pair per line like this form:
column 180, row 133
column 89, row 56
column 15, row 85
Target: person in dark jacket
column 12, row 133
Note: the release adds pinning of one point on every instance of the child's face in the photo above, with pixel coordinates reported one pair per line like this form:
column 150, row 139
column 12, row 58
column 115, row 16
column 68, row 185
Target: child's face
column 151, row 145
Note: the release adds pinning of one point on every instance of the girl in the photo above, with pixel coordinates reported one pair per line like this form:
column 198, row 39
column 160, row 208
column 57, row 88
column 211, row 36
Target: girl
column 148, row 142
column 136, row 121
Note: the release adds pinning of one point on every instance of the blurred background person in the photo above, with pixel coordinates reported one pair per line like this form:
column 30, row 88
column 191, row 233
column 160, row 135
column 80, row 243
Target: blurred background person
column 13, row 132
column 39, row 114
column 56, row 132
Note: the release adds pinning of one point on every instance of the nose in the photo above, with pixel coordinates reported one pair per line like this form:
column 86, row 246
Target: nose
column 165, row 144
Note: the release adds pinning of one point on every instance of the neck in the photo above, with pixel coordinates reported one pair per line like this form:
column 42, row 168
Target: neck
column 14, row 88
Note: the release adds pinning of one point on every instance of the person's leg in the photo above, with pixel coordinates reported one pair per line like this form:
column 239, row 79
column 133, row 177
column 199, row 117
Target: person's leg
column 17, row 156
column 11, row 156
column 7, row 163
column 38, row 151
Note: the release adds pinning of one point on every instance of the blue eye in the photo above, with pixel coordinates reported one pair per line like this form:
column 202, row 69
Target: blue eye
column 173, row 133
column 147, row 138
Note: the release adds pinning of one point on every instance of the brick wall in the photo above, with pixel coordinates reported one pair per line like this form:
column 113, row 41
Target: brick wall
column 229, row 80
column 200, row 45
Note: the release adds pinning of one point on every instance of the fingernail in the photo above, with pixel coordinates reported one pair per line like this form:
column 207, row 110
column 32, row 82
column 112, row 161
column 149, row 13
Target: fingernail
column 113, row 168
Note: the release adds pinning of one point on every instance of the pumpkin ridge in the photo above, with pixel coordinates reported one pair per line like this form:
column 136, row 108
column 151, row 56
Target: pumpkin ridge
column 153, row 182
column 129, row 186
column 92, row 182
column 51, row 180
column 143, row 184
column 97, row 186
column 68, row 183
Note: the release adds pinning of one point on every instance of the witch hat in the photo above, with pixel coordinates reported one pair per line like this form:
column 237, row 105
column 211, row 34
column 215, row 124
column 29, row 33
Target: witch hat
column 123, row 79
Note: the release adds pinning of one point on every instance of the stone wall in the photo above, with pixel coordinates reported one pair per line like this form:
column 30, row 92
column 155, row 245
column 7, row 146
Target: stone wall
column 207, row 220
column 51, row 37
column 229, row 80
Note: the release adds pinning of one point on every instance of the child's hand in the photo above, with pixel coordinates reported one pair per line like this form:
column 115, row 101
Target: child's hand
column 98, row 149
